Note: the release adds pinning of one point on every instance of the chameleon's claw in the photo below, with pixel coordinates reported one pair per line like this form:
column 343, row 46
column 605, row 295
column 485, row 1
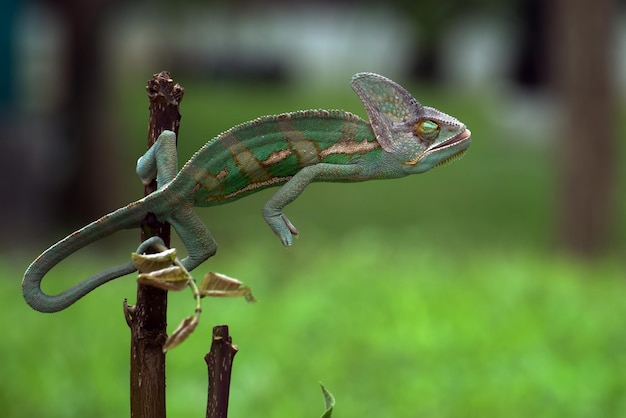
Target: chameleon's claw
column 287, row 238
column 283, row 228
column 290, row 226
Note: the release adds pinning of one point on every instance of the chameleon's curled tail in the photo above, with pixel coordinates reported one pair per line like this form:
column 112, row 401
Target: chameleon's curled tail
column 127, row 217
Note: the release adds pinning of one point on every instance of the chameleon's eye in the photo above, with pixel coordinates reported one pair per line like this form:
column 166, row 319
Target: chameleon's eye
column 427, row 129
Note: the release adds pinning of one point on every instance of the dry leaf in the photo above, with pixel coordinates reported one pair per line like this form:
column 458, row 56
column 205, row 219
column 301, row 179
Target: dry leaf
column 146, row 263
column 181, row 333
column 220, row 285
column 170, row 278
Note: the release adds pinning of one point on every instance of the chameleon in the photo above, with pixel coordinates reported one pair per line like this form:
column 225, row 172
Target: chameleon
column 290, row 150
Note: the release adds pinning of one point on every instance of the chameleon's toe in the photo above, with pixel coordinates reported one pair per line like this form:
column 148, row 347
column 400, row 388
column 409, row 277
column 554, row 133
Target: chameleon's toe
column 145, row 170
column 287, row 231
column 292, row 229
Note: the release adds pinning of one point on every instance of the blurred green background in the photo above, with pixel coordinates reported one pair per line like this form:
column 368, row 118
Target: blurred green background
column 459, row 292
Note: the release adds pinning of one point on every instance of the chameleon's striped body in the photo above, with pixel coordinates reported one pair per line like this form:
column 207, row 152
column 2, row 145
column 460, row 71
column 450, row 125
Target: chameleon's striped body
column 402, row 137
column 268, row 152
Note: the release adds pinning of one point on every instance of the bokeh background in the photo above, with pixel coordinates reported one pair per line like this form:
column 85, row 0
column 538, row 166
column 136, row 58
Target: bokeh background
column 491, row 287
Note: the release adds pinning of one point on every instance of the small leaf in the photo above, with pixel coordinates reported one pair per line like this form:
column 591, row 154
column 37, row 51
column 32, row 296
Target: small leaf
column 170, row 278
column 181, row 333
column 329, row 402
column 146, row 263
column 169, row 274
column 220, row 285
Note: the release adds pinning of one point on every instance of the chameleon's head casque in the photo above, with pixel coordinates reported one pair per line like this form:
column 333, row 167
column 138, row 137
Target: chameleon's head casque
column 420, row 137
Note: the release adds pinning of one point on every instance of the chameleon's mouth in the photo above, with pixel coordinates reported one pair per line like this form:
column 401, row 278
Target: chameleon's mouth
column 460, row 143
column 463, row 136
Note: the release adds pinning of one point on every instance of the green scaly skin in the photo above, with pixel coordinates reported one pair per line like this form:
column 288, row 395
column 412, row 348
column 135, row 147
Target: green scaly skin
column 291, row 150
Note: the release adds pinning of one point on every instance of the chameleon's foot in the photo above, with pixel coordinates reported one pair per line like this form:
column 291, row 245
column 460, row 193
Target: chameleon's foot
column 145, row 171
column 283, row 228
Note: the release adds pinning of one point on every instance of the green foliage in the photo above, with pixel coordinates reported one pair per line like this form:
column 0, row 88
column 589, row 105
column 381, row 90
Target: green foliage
column 329, row 402
column 395, row 330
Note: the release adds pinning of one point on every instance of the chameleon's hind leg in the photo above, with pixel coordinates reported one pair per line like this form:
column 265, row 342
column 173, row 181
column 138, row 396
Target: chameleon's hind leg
column 193, row 233
column 195, row 236
column 160, row 161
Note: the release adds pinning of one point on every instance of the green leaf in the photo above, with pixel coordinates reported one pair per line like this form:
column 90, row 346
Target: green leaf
column 220, row 285
column 329, row 402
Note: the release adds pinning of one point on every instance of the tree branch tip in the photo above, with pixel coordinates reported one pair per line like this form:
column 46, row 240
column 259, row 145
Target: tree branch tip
column 129, row 311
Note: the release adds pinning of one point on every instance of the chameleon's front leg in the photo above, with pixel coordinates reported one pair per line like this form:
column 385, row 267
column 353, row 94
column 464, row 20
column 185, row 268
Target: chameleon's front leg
column 273, row 209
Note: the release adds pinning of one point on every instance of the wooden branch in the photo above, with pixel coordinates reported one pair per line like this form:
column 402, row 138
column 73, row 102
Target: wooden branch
column 148, row 318
column 219, row 361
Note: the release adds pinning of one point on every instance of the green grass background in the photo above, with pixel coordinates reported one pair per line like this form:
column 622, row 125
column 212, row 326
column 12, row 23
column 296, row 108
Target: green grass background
column 439, row 295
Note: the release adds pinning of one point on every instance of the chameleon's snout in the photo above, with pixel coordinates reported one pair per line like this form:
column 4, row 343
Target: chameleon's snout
column 442, row 152
column 455, row 142
column 455, row 147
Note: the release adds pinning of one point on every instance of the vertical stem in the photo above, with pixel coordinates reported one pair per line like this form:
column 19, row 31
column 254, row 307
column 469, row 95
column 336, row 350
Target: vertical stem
column 585, row 80
column 148, row 318
column 220, row 362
